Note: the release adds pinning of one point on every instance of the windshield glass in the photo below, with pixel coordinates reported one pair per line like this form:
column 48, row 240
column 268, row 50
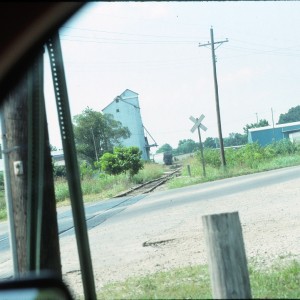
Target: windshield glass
column 197, row 101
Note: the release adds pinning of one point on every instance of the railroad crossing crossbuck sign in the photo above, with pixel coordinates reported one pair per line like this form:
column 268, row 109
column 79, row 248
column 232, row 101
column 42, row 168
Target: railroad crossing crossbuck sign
column 198, row 123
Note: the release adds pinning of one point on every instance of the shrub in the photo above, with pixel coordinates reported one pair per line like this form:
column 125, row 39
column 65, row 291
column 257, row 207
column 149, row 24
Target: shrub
column 110, row 164
column 1, row 181
column 122, row 160
column 251, row 155
column 284, row 146
column 86, row 170
column 211, row 157
column 59, row 171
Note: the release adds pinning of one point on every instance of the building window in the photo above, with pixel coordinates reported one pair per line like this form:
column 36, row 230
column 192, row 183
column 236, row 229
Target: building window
column 117, row 110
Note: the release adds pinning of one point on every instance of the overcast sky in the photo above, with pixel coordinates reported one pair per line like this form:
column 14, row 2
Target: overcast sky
column 152, row 48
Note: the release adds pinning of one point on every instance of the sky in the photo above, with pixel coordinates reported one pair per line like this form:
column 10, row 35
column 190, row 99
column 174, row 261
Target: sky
column 152, row 48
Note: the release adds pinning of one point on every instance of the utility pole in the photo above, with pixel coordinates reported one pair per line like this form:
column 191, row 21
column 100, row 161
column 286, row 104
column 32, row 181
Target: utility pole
column 256, row 118
column 201, row 151
column 32, row 190
column 15, row 113
column 212, row 44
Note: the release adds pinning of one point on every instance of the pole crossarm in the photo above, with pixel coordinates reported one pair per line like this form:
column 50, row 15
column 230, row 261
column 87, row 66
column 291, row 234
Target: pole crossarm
column 209, row 43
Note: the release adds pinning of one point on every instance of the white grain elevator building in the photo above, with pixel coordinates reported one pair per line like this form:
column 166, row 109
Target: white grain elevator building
column 126, row 109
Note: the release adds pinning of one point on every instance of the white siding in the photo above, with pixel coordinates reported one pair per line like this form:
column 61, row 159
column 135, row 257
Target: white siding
column 126, row 109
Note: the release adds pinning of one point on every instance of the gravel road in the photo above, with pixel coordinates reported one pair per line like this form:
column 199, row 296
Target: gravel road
column 269, row 217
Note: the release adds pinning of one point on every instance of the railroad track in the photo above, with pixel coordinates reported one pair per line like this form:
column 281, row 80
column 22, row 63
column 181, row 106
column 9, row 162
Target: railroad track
column 150, row 186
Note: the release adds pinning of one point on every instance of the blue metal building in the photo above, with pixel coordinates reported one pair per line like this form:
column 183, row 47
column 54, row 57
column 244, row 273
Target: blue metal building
column 268, row 134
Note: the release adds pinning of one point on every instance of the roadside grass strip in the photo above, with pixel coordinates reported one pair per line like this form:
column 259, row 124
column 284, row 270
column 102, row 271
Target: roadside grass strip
column 280, row 280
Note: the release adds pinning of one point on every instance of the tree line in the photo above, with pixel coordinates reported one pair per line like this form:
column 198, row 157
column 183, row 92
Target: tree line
column 234, row 139
column 98, row 139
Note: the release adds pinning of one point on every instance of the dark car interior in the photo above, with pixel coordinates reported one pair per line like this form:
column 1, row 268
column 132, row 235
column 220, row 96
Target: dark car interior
column 26, row 26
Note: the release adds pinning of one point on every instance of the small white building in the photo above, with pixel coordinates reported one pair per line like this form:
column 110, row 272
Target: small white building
column 126, row 109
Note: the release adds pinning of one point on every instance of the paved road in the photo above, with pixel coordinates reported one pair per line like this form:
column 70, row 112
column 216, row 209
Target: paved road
column 164, row 230
column 115, row 210
column 96, row 213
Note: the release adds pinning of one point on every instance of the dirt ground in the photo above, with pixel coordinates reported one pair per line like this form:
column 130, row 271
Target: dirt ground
column 269, row 217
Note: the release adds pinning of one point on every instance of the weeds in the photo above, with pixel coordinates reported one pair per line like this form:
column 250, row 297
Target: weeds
column 280, row 280
column 98, row 186
column 251, row 158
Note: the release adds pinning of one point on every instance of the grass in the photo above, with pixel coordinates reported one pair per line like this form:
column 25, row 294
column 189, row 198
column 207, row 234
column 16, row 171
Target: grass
column 3, row 214
column 149, row 172
column 98, row 187
column 93, row 188
column 179, row 283
column 213, row 173
column 104, row 186
column 280, row 280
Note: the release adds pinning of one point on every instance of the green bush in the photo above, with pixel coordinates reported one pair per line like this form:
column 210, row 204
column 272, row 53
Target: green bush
column 61, row 190
column 109, row 164
column 233, row 157
column 250, row 156
column 1, row 181
column 284, row 146
column 59, row 171
column 211, row 157
column 103, row 186
column 86, row 170
column 123, row 160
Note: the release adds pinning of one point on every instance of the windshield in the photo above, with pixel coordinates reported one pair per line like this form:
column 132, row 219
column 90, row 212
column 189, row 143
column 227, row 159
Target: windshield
column 193, row 94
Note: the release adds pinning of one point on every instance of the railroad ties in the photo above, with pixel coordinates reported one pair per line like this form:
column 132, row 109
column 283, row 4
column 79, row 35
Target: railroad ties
column 150, row 186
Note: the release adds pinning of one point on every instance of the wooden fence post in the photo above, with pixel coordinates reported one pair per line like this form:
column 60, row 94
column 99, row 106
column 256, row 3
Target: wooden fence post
column 189, row 170
column 226, row 256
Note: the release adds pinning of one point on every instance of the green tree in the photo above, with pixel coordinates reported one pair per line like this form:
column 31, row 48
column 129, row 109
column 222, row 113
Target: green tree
column 59, row 171
column 187, row 146
column 96, row 133
column 211, row 142
column 109, row 164
column 261, row 123
column 122, row 160
column 164, row 148
column 130, row 159
column 293, row 115
column 235, row 139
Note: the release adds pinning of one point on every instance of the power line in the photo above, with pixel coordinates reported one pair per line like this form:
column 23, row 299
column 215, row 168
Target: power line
column 283, row 51
column 125, row 33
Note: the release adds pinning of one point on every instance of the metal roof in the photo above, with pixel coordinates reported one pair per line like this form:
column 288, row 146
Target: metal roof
column 275, row 126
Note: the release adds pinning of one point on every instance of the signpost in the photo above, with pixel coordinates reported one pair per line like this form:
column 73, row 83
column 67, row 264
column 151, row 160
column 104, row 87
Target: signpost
column 198, row 125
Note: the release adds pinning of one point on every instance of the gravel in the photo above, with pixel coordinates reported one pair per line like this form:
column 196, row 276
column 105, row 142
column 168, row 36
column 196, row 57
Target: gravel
column 174, row 237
